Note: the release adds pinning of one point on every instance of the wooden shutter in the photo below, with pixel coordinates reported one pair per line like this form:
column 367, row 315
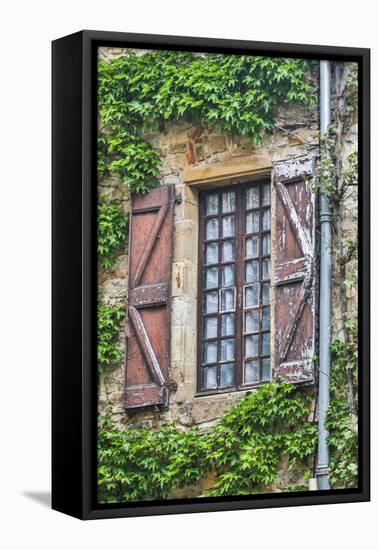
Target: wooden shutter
column 294, row 276
column 149, row 291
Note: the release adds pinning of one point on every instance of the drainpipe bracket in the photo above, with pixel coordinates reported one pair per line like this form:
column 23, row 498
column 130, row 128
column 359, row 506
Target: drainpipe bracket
column 322, row 470
column 325, row 217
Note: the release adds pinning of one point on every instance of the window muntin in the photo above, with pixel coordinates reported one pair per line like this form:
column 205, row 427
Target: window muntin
column 234, row 317
column 256, row 306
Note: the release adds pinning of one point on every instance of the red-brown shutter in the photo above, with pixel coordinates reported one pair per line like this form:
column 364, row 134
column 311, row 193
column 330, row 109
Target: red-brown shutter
column 149, row 291
column 294, row 276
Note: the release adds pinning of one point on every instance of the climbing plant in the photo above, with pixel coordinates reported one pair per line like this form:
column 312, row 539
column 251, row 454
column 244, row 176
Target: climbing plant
column 139, row 93
column 109, row 317
column 342, row 420
column 242, row 452
column 112, row 225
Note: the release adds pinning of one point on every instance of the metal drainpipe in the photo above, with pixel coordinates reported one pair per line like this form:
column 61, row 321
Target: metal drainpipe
column 325, row 292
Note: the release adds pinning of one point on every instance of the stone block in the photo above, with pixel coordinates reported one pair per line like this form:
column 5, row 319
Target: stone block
column 185, row 393
column 171, row 179
column 177, row 344
column 184, row 279
column 177, row 374
column 122, row 265
column 199, row 153
column 190, row 346
column 207, row 409
column 178, row 147
column 177, row 279
column 187, row 209
column 114, row 289
column 179, row 310
column 185, row 414
column 185, row 241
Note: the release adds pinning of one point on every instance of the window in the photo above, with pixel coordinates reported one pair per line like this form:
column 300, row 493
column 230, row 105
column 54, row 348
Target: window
column 234, row 293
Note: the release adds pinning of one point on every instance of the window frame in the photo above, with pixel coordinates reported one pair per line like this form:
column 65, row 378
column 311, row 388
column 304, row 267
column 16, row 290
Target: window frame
column 240, row 260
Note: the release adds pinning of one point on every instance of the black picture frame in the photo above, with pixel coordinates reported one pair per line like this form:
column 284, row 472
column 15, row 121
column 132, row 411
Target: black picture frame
column 74, row 384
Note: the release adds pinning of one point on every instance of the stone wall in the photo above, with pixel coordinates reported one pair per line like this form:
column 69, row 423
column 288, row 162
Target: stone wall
column 346, row 226
column 193, row 157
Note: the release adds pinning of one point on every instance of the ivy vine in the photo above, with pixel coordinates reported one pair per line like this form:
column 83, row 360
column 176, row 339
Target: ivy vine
column 112, row 224
column 109, row 317
column 342, row 421
column 139, row 93
column 242, row 452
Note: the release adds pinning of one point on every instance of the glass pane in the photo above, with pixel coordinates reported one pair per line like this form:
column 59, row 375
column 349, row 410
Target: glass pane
column 265, row 293
column 252, row 222
column 210, row 327
column 226, row 374
column 227, row 350
column 211, row 302
column 251, row 372
column 211, row 204
column 252, row 197
column 252, row 247
column 228, row 226
column 265, row 343
column 266, row 194
column 228, row 201
column 252, row 296
column 266, row 268
column 266, row 220
column 227, row 275
column 252, row 321
column 227, row 324
column 211, row 277
column 252, row 271
column 227, row 253
column 210, row 352
column 211, row 229
column 210, row 378
column 266, row 369
column 211, row 253
column 227, row 299
column 265, row 323
column 266, row 244
column 252, row 345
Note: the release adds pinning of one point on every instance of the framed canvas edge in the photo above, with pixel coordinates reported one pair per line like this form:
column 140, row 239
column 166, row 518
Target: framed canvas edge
column 85, row 174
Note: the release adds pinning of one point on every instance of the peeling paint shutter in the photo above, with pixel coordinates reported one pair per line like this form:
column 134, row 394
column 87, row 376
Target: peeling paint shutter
column 294, row 276
column 149, row 292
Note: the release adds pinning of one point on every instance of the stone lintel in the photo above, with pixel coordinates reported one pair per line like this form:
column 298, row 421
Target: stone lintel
column 254, row 165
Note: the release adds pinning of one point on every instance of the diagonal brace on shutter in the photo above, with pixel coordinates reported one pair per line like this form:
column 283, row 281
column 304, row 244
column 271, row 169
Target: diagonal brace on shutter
column 296, row 225
column 292, row 327
column 146, row 347
column 150, row 244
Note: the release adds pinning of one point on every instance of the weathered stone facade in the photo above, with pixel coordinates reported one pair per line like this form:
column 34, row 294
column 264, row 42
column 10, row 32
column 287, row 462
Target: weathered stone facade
column 194, row 158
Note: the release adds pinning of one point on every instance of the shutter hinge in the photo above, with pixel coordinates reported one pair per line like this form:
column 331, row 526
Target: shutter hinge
column 178, row 198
